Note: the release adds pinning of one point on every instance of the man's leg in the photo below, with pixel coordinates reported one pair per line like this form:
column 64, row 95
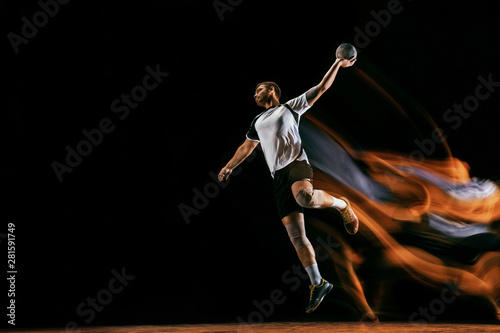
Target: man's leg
column 294, row 224
column 308, row 197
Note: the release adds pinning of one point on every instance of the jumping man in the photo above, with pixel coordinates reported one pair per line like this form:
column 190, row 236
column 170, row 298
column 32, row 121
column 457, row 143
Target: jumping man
column 277, row 130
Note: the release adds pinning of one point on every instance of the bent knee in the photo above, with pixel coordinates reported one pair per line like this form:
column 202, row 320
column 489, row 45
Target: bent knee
column 305, row 197
column 310, row 198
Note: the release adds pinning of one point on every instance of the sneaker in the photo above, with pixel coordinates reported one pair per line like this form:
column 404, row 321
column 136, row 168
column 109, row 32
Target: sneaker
column 317, row 295
column 351, row 222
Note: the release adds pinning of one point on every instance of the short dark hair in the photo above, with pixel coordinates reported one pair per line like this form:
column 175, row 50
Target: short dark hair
column 268, row 85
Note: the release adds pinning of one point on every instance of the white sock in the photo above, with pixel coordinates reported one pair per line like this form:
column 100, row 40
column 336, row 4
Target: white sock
column 339, row 204
column 314, row 274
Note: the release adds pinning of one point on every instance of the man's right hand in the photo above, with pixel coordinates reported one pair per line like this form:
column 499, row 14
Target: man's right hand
column 224, row 174
column 243, row 152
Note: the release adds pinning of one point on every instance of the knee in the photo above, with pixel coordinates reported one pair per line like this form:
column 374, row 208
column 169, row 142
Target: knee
column 297, row 233
column 300, row 242
column 305, row 197
column 310, row 198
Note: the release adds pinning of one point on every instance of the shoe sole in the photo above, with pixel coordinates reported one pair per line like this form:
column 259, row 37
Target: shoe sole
column 350, row 232
column 321, row 300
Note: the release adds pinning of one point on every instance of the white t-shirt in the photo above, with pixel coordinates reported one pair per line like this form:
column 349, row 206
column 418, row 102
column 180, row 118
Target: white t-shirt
column 277, row 130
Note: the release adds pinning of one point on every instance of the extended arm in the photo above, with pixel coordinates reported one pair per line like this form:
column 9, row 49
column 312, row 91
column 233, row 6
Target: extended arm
column 315, row 92
column 241, row 154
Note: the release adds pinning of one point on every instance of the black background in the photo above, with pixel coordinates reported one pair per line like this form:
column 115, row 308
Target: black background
column 120, row 207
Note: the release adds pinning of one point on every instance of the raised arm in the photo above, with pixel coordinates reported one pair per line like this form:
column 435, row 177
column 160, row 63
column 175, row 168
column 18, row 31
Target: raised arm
column 241, row 154
column 313, row 94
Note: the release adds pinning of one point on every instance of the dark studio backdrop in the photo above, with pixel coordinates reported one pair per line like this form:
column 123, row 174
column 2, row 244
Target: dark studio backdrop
column 112, row 228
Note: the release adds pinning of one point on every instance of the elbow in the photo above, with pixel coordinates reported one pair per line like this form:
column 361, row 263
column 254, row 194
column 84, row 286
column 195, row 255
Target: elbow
column 322, row 88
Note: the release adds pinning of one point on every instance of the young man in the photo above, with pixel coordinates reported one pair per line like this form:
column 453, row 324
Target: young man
column 277, row 130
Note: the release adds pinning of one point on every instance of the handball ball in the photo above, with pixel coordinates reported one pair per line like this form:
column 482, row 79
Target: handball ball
column 346, row 51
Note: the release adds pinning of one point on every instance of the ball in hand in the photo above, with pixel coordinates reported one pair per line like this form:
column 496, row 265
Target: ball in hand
column 346, row 51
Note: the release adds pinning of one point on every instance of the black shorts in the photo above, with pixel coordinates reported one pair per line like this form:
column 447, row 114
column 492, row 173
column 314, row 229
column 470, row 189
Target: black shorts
column 283, row 180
